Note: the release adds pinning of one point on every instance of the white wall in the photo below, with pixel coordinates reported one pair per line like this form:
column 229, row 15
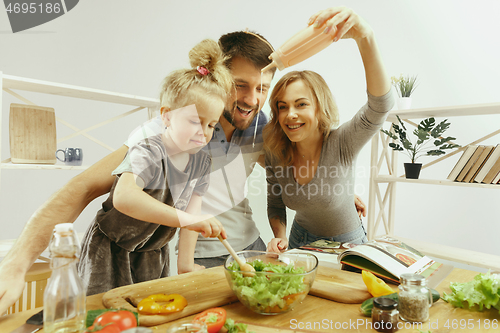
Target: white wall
column 129, row 46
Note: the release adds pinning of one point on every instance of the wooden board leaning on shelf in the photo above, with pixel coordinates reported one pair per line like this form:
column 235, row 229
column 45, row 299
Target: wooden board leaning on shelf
column 32, row 134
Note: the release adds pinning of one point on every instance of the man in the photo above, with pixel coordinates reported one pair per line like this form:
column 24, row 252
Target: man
column 235, row 146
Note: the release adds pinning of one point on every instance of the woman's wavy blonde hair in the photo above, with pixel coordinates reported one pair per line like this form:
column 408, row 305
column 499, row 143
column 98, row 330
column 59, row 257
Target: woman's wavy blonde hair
column 183, row 86
column 276, row 142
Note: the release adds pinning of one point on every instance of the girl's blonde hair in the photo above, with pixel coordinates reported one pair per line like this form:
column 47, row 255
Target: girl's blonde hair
column 276, row 142
column 208, row 73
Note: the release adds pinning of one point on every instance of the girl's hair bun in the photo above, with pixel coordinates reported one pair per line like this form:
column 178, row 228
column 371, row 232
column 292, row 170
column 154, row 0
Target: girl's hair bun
column 208, row 72
column 206, row 54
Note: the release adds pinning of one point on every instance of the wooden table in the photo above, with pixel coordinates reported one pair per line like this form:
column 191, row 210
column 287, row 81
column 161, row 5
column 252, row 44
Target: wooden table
column 321, row 315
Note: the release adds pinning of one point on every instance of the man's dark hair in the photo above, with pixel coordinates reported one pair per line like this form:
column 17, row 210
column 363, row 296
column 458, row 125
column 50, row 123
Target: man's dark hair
column 248, row 45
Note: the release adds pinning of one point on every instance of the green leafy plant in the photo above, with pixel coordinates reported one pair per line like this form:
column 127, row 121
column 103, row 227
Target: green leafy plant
column 405, row 85
column 428, row 134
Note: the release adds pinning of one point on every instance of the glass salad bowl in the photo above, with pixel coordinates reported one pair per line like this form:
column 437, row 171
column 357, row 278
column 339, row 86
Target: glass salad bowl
column 279, row 283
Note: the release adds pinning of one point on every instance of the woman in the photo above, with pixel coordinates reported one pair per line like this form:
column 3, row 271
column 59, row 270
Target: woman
column 310, row 165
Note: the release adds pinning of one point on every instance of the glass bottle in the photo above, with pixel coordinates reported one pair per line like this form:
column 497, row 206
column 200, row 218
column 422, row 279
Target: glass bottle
column 385, row 315
column 415, row 298
column 64, row 297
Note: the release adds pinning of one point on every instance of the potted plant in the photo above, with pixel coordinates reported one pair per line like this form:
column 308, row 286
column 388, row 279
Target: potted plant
column 428, row 142
column 405, row 85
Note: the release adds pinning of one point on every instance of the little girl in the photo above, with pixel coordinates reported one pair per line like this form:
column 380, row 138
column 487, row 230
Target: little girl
column 160, row 183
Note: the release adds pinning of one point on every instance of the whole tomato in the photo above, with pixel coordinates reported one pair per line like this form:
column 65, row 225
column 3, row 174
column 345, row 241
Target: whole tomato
column 122, row 319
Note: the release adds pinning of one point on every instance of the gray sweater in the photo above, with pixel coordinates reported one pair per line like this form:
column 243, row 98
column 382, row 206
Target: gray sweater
column 325, row 205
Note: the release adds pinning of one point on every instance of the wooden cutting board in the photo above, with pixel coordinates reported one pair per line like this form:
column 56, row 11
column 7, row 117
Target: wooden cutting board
column 202, row 289
column 209, row 288
column 32, row 134
column 340, row 286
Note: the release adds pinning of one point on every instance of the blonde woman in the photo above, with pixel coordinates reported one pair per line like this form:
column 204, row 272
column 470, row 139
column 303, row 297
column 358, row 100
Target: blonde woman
column 309, row 162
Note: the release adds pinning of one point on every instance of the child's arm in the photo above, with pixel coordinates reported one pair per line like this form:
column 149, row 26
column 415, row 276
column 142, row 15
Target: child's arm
column 130, row 199
column 187, row 240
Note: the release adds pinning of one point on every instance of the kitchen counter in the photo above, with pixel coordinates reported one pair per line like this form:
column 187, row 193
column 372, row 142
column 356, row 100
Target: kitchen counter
column 322, row 315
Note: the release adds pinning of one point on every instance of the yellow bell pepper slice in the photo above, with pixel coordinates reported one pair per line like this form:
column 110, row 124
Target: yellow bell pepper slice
column 171, row 303
column 375, row 286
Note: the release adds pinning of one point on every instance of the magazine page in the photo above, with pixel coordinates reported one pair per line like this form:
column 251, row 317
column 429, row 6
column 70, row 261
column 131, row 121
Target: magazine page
column 386, row 257
column 415, row 261
column 327, row 246
column 377, row 256
column 391, row 255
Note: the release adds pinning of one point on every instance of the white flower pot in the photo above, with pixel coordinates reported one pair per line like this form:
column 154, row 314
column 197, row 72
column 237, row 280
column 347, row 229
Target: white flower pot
column 404, row 103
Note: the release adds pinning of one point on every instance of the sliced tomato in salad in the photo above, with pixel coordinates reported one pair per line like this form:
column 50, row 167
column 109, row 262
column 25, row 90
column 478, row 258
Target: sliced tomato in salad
column 214, row 319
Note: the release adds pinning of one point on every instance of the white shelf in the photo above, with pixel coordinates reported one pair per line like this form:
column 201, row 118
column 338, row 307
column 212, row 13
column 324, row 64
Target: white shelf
column 42, row 166
column 385, row 199
column 45, row 87
column 15, row 85
column 446, row 111
column 446, row 182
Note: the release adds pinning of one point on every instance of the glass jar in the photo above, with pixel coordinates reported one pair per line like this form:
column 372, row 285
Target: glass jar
column 415, row 298
column 385, row 315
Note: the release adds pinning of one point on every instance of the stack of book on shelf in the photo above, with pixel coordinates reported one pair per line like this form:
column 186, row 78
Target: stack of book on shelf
column 478, row 164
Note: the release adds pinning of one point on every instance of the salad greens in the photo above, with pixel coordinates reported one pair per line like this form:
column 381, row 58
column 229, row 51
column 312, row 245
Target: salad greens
column 212, row 318
column 236, row 328
column 268, row 292
column 483, row 291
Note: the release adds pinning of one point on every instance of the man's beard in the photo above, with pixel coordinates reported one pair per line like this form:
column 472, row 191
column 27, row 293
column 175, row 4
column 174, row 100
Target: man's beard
column 241, row 125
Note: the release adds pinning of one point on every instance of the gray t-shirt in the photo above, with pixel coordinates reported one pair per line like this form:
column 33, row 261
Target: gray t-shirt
column 119, row 250
column 232, row 164
column 325, row 205
column 149, row 160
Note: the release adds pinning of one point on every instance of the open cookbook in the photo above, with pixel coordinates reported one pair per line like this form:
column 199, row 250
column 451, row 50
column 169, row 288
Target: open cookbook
column 386, row 257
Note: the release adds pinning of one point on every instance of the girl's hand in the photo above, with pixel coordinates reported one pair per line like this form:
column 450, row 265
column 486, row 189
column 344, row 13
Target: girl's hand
column 348, row 23
column 277, row 245
column 208, row 227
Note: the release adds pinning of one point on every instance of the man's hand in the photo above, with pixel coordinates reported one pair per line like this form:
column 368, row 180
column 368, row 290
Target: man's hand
column 194, row 268
column 277, row 245
column 11, row 287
